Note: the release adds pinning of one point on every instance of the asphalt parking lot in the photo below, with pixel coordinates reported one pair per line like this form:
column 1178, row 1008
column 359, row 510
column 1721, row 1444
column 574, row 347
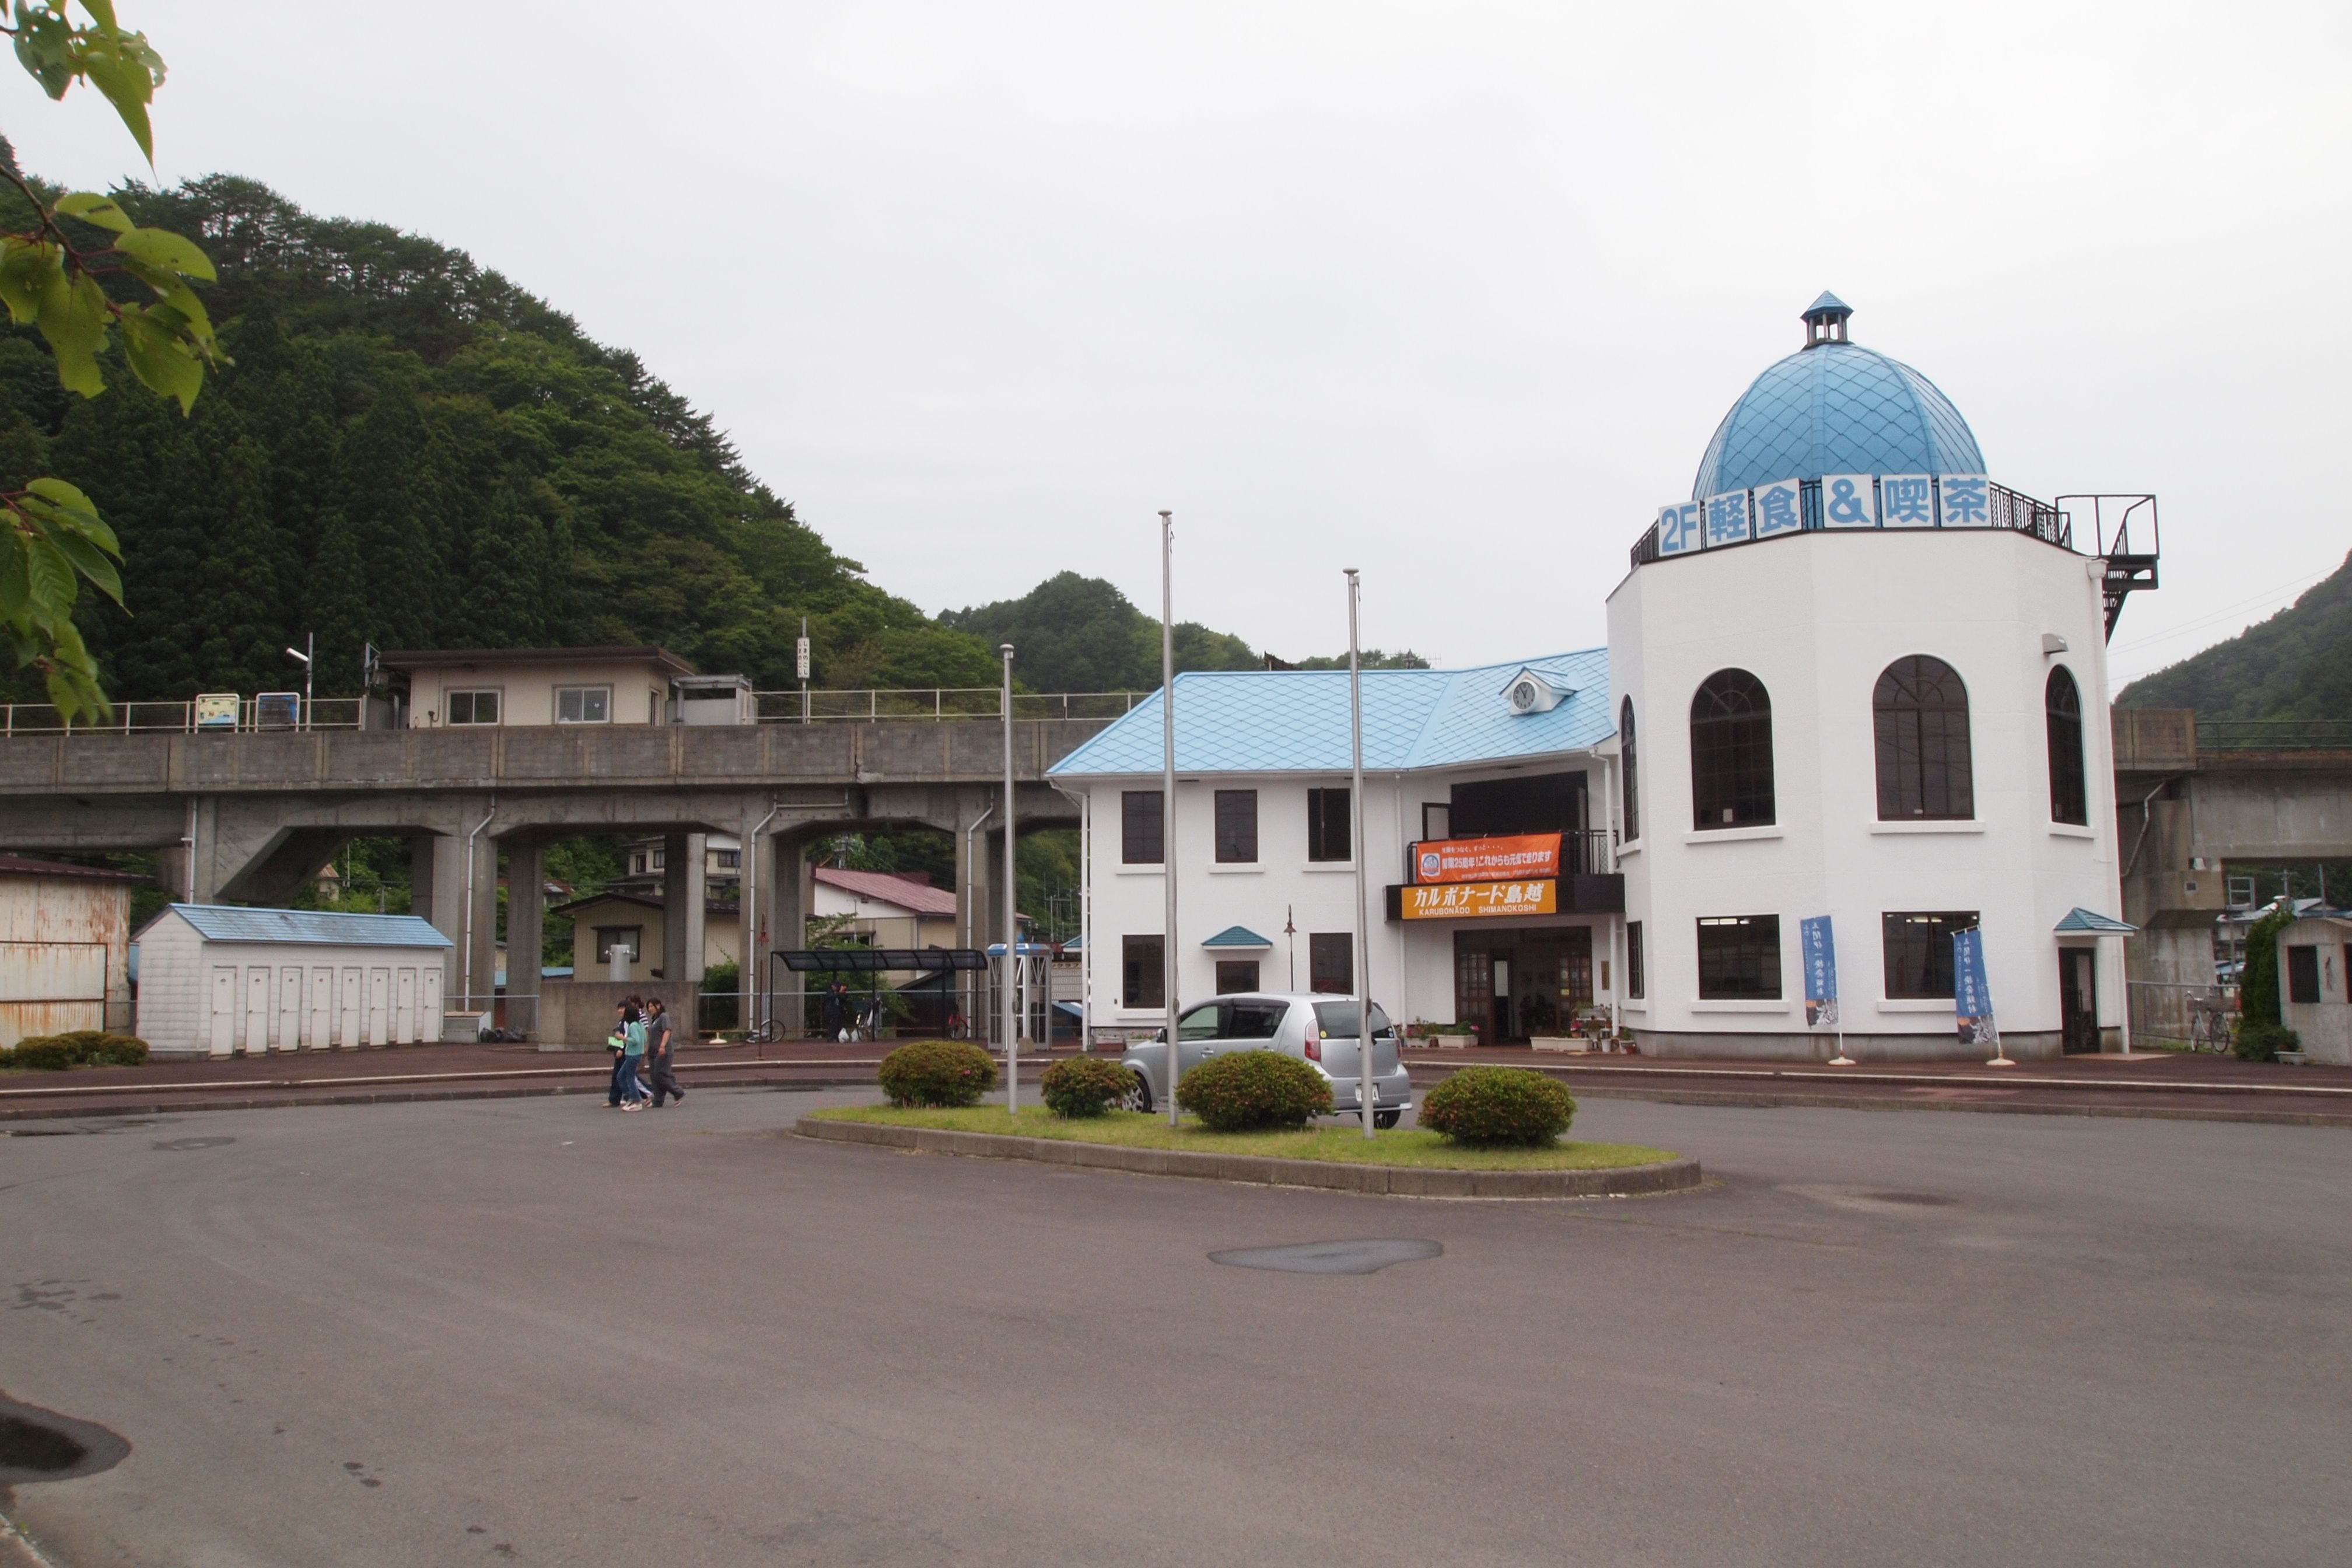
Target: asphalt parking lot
column 535, row 1330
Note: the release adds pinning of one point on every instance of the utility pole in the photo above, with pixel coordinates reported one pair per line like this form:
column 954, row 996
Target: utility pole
column 1356, row 821
column 1168, row 789
column 1012, row 1021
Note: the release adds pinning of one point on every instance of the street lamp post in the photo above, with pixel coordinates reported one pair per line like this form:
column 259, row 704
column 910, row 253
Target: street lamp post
column 1012, row 917
column 1168, row 789
column 1356, row 822
column 310, row 642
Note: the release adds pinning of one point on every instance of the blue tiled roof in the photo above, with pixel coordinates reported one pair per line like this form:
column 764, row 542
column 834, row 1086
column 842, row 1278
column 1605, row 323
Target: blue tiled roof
column 1296, row 721
column 225, row 922
column 1836, row 408
column 1235, row 936
column 2079, row 918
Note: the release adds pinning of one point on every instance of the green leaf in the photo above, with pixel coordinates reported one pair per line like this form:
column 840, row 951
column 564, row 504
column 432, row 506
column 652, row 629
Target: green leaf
column 15, row 590
column 161, row 247
column 93, row 209
column 159, row 360
column 49, row 579
column 25, row 272
column 104, row 11
column 73, row 318
column 128, row 87
column 91, row 563
column 44, row 49
column 69, row 501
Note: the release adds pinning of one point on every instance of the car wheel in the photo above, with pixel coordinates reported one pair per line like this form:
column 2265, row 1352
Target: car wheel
column 1139, row 1095
column 1387, row 1118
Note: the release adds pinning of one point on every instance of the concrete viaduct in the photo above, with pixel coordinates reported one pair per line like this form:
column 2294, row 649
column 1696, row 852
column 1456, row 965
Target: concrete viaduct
column 252, row 816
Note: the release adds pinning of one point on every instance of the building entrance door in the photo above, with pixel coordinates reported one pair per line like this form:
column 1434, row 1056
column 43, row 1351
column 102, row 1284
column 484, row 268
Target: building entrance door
column 2078, row 999
column 1516, row 983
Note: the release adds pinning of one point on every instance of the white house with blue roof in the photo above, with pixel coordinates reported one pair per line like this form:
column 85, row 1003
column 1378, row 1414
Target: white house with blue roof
column 216, row 980
column 1850, row 676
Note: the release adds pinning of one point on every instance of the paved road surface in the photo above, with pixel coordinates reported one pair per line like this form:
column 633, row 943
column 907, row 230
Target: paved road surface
column 535, row 1330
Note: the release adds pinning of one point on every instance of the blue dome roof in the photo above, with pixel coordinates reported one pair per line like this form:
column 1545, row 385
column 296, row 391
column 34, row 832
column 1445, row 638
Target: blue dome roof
column 1837, row 408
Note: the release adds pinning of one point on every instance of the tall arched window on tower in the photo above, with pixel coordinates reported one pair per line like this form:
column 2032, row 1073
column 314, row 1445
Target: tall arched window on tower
column 1731, row 752
column 1629, row 779
column 2062, row 708
column 1921, row 717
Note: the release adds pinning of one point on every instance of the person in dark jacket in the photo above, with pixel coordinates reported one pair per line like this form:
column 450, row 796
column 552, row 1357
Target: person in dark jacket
column 661, row 1052
column 837, row 1009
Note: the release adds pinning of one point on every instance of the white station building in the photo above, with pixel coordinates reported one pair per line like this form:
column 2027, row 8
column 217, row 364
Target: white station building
column 1851, row 677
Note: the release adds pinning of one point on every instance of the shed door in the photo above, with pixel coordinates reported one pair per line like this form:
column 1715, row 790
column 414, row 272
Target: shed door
column 404, row 1006
column 432, row 1001
column 378, row 1007
column 351, row 1000
column 290, row 1008
column 224, row 1031
column 322, row 1010
column 256, row 1008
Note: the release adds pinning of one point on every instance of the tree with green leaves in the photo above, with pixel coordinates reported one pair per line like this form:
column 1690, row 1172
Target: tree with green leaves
column 69, row 272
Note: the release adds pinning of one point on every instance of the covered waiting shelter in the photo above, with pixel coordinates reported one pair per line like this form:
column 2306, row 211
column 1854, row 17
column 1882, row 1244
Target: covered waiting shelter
column 934, row 967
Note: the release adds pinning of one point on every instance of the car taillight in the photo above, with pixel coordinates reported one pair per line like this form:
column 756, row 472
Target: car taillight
column 1314, row 1045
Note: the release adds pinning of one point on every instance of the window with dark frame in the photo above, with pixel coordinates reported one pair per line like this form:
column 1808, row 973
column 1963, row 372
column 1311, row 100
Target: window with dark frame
column 1143, row 965
column 1326, row 825
column 1629, row 777
column 1739, row 958
column 1236, row 975
column 477, row 707
column 2061, row 704
column 1916, row 951
column 1635, row 983
column 631, row 937
column 2303, row 974
column 1731, row 752
column 1436, row 821
column 1236, row 827
column 1140, row 838
column 1331, row 962
column 1919, row 715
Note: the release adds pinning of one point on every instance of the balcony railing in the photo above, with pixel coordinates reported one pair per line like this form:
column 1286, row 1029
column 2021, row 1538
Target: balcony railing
column 2273, row 735
column 2006, row 509
column 253, row 713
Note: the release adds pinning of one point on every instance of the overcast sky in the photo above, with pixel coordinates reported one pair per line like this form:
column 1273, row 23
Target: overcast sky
column 1454, row 293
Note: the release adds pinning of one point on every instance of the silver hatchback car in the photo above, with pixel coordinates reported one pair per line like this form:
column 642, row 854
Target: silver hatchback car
column 1316, row 1028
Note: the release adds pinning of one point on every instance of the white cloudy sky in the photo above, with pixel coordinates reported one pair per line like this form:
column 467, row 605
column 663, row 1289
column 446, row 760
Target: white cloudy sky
column 1453, row 292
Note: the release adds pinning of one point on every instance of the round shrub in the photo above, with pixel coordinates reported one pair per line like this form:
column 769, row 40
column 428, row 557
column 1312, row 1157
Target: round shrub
column 118, row 1051
column 1498, row 1105
column 1245, row 1090
column 937, row 1072
column 44, row 1053
column 2259, row 1042
column 75, row 1048
column 1085, row 1086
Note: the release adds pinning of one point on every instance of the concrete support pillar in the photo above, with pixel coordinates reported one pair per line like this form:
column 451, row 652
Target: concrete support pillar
column 786, row 894
column 436, row 880
column 526, row 931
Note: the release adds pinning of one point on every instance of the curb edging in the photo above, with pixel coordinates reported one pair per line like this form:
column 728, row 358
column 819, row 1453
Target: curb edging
column 1395, row 1180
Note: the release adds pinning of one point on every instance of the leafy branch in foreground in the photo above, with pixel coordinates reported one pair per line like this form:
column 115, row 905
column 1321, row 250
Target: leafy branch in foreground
column 55, row 538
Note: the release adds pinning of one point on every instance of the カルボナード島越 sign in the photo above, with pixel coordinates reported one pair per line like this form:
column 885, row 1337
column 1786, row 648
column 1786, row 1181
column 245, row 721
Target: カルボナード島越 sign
column 1465, row 900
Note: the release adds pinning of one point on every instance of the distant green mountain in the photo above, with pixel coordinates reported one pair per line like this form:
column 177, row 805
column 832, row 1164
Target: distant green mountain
column 1080, row 633
column 2295, row 664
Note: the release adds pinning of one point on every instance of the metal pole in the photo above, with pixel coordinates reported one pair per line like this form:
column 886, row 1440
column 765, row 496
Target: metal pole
column 1168, row 789
column 310, row 663
column 1356, row 815
column 752, row 929
column 1012, row 915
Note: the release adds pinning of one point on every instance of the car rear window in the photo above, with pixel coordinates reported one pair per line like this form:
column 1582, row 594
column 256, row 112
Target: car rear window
column 1257, row 1020
column 1337, row 1021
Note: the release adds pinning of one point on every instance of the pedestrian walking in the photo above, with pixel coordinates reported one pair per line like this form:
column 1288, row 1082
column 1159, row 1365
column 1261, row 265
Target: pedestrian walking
column 624, row 1014
column 661, row 1053
column 633, row 1056
column 837, row 1009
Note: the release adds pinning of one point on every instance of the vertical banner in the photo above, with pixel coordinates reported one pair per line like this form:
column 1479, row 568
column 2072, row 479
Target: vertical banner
column 1971, row 997
column 1907, row 501
column 1819, row 946
column 1678, row 529
column 1846, row 501
column 1726, row 519
column 1968, row 502
column 1777, row 509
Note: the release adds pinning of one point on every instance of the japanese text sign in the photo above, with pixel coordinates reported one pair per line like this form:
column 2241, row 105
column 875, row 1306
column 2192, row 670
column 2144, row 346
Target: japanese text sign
column 1818, row 944
column 1846, row 501
column 1469, row 901
column 1487, row 859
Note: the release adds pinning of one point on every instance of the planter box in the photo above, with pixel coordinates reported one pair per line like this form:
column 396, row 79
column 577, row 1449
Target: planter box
column 1574, row 1044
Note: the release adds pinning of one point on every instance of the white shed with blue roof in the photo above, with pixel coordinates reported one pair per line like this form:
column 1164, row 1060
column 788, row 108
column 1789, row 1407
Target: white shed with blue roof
column 216, row 980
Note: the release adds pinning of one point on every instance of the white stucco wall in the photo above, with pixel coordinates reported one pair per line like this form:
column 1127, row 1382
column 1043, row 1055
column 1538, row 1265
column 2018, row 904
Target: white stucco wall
column 283, row 995
column 640, row 690
column 2326, row 1025
column 1817, row 618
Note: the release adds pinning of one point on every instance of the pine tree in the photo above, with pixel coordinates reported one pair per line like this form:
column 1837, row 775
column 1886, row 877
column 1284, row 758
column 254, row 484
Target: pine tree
column 243, row 619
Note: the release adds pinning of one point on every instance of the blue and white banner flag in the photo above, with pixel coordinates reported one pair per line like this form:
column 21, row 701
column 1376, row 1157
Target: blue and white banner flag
column 1819, row 946
column 1971, row 995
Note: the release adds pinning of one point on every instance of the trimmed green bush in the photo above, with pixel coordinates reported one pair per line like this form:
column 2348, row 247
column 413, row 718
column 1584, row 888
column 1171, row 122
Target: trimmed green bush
column 2258, row 1042
column 1085, row 1086
column 1246, row 1091
column 1498, row 1105
column 937, row 1072
column 75, row 1048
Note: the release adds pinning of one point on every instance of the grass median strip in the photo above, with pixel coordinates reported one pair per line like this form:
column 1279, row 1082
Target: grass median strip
column 1338, row 1144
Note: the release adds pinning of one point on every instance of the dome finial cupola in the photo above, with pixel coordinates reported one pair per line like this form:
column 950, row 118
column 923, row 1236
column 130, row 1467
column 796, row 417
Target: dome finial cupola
column 1826, row 320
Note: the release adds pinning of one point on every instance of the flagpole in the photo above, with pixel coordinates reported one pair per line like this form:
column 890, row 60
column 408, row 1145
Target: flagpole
column 1168, row 971
column 1356, row 821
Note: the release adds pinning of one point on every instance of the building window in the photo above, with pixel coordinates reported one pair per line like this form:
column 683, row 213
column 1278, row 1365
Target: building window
column 631, row 937
column 1236, row 827
column 1917, row 946
column 2062, row 705
column 2303, row 974
column 728, row 860
column 1140, row 838
column 1436, row 821
column 1920, row 713
column 1731, row 752
column 1331, row 962
column 1143, row 961
column 1629, row 778
column 1635, row 981
column 1236, row 975
column 1739, row 958
column 472, row 707
column 583, row 704
column 1326, row 825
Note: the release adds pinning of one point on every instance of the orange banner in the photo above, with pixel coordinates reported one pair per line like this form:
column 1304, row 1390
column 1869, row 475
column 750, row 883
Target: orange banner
column 1487, row 859
column 1468, row 901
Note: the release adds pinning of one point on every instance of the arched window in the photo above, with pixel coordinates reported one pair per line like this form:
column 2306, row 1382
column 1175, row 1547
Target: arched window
column 1731, row 752
column 1629, row 786
column 2062, row 710
column 1921, row 717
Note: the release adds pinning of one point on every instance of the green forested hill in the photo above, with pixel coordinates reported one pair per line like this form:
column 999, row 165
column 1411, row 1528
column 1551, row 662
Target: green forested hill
column 2295, row 664
column 1081, row 634
column 413, row 451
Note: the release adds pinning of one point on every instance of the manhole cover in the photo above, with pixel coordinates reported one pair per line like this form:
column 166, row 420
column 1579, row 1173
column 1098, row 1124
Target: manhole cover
column 38, row 1445
column 1330, row 1256
column 192, row 1143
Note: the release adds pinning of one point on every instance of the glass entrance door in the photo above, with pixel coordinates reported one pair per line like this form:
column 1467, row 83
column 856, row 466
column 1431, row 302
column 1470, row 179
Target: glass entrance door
column 1517, row 984
column 2078, row 999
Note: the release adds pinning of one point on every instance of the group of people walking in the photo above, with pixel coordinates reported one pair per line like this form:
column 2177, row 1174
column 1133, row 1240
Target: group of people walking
column 642, row 1039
